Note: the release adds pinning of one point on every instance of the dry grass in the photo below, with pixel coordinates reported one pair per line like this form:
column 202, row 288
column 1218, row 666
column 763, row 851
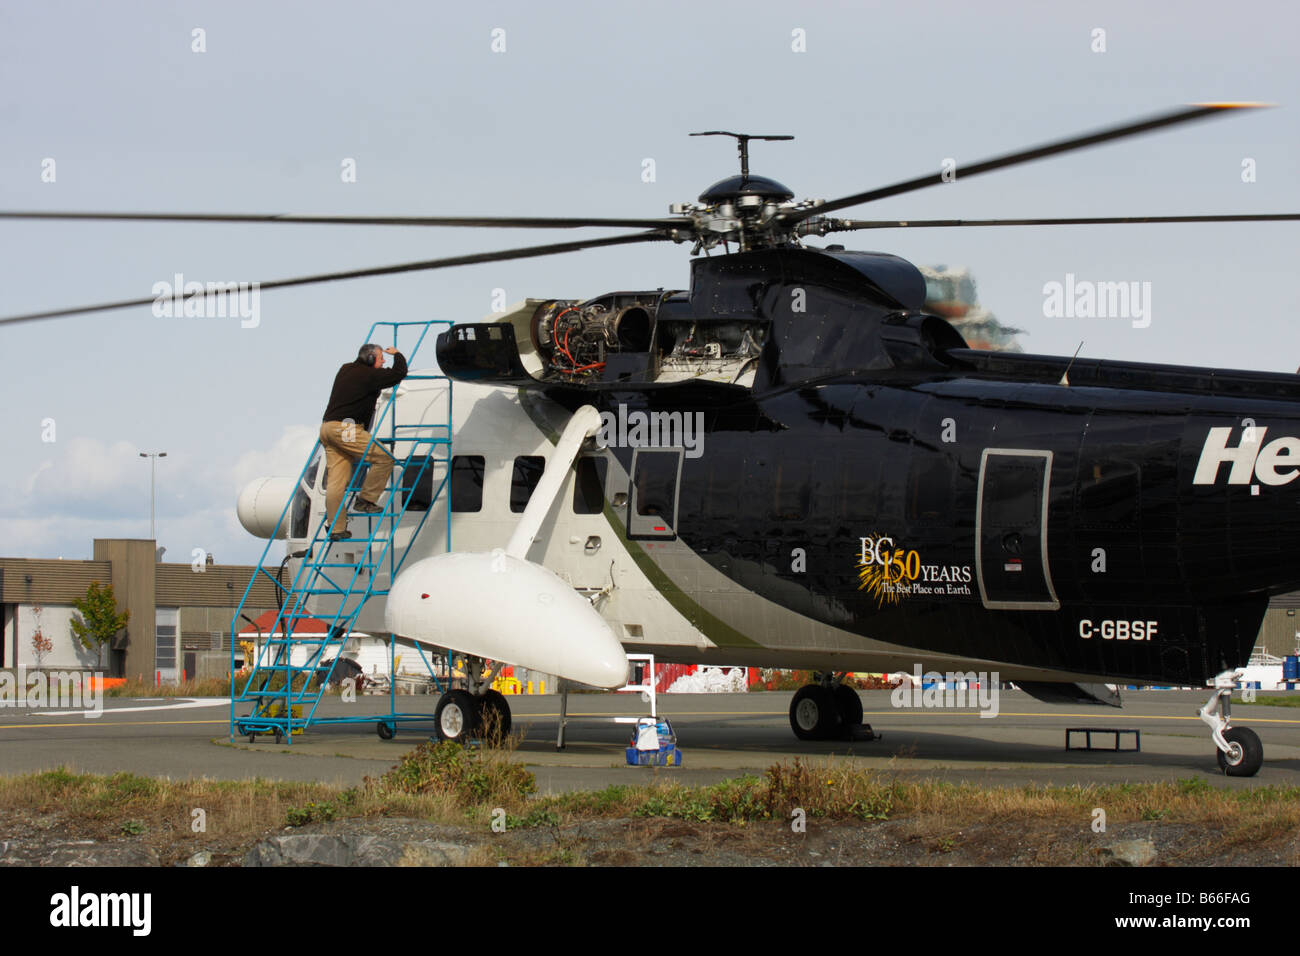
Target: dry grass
column 138, row 687
column 159, row 812
column 448, row 784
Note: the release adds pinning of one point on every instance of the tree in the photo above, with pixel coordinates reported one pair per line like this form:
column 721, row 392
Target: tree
column 97, row 620
column 41, row 645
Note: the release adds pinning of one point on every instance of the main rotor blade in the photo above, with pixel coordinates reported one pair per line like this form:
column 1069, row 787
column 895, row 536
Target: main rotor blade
column 1183, row 115
column 484, row 222
column 526, row 252
column 849, row 225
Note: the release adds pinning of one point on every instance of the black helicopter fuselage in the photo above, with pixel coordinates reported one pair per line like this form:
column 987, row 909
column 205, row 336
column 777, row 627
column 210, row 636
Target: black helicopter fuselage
column 1116, row 520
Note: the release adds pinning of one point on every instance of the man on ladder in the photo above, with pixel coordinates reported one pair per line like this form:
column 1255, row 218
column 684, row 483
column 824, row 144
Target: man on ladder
column 352, row 400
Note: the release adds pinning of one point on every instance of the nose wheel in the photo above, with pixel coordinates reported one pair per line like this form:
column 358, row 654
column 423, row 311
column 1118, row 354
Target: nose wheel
column 457, row 717
column 495, row 716
column 461, row 716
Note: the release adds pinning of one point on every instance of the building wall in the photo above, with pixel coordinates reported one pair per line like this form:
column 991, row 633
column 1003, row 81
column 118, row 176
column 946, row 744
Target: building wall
column 1277, row 635
column 205, row 598
column 55, row 624
column 133, row 563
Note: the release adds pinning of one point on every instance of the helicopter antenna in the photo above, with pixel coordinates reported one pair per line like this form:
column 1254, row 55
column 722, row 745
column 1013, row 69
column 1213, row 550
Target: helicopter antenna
column 1065, row 376
column 742, row 143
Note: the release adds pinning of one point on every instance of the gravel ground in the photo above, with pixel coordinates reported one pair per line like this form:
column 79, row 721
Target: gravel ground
column 28, row 840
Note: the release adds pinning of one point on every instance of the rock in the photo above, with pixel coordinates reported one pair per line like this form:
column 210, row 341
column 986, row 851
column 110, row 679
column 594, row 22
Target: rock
column 338, row 847
column 202, row 858
column 1128, row 853
column 80, row 853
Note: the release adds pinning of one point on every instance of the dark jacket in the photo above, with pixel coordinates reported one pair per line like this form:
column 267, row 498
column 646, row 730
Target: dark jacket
column 357, row 388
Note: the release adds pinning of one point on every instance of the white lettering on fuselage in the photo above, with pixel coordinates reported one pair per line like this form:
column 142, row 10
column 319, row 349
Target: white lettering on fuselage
column 1275, row 463
column 1119, row 630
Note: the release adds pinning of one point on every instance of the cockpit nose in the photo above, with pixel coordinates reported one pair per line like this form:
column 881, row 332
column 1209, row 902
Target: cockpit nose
column 261, row 504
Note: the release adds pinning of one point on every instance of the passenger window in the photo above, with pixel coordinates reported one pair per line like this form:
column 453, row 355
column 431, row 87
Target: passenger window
column 467, row 483
column 589, row 486
column 417, row 484
column 527, row 473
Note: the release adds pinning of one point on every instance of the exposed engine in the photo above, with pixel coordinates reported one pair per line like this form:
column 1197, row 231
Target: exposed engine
column 575, row 339
column 632, row 336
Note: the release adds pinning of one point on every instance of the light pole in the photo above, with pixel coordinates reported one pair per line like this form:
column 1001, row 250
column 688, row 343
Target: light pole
column 153, row 462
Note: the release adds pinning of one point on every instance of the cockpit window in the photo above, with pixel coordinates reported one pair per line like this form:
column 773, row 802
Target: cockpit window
column 300, row 512
column 655, row 477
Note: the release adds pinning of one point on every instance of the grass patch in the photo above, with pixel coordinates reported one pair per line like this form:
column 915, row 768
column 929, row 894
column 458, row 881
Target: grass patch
column 1287, row 700
column 448, row 784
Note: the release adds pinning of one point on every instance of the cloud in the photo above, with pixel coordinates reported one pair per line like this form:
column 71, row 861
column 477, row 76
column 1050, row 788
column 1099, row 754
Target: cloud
column 80, row 476
column 286, row 457
column 85, row 488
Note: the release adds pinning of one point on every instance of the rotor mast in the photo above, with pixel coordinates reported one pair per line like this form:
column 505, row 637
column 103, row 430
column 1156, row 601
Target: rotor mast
column 742, row 144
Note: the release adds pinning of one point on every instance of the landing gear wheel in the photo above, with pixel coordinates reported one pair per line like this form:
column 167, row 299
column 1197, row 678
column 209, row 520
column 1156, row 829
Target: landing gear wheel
column 1247, row 753
column 495, row 717
column 457, row 716
column 849, row 705
column 385, row 730
column 813, row 713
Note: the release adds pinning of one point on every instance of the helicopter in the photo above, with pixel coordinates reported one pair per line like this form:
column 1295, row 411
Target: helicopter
column 792, row 463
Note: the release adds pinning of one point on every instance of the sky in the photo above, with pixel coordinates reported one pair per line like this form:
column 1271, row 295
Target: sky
column 554, row 109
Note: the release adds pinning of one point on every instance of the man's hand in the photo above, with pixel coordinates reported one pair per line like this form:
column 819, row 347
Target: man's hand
column 390, row 351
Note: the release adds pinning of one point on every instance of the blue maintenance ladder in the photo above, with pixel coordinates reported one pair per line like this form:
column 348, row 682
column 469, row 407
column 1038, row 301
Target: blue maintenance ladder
column 284, row 695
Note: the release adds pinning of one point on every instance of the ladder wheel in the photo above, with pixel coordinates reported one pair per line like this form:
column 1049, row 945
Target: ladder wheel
column 279, row 736
column 385, row 730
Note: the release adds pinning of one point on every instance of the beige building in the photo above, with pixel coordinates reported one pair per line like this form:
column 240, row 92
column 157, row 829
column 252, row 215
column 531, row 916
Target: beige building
column 1279, row 635
column 180, row 623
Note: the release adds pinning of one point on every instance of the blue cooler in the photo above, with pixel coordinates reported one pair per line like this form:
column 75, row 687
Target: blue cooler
column 665, row 754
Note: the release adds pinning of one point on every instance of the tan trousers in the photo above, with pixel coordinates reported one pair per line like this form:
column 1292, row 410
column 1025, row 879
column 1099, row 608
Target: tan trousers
column 344, row 444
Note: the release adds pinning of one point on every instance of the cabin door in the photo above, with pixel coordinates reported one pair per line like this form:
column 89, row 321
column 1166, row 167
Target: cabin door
column 1011, row 530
